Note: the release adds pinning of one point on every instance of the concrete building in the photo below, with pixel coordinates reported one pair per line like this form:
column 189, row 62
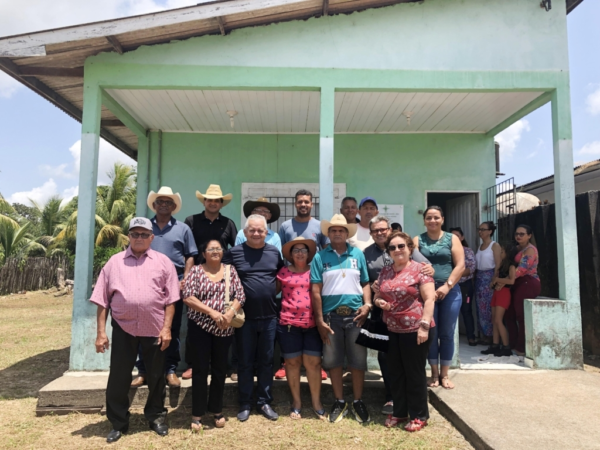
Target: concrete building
column 396, row 99
column 587, row 178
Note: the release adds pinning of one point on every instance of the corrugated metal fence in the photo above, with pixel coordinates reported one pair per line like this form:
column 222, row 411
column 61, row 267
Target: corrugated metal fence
column 35, row 274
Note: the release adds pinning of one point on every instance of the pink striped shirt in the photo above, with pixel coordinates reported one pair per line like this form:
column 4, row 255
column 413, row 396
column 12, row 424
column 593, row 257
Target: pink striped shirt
column 137, row 290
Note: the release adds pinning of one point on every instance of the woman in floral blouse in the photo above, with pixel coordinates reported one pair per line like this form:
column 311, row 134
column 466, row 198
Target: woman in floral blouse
column 407, row 298
column 527, row 285
column 209, row 330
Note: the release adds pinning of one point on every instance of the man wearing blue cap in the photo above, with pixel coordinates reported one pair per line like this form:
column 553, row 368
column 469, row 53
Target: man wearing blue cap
column 367, row 208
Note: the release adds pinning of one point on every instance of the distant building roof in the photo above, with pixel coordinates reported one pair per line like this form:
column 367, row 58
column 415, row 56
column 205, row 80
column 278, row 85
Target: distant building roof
column 578, row 170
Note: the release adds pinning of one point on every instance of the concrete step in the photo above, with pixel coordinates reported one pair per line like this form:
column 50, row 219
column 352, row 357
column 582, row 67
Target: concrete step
column 85, row 392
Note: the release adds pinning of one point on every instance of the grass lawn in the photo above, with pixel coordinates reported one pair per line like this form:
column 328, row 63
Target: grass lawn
column 35, row 333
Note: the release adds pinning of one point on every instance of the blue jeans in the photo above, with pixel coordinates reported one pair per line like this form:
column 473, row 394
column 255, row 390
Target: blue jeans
column 172, row 356
column 255, row 341
column 445, row 316
column 467, row 290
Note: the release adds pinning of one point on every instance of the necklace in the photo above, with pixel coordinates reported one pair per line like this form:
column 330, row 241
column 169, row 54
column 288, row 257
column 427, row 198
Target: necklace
column 342, row 267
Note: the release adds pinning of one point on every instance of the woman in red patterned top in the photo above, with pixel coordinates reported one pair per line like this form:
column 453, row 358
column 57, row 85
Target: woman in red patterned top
column 297, row 333
column 209, row 330
column 407, row 298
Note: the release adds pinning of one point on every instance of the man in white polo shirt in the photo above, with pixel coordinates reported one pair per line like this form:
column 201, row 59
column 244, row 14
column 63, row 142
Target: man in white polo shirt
column 341, row 304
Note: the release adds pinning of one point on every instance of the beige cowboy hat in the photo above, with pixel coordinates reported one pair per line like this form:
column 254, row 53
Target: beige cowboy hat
column 338, row 220
column 164, row 191
column 214, row 192
column 287, row 248
column 251, row 205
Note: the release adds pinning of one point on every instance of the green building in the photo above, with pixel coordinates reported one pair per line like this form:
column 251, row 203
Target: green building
column 395, row 99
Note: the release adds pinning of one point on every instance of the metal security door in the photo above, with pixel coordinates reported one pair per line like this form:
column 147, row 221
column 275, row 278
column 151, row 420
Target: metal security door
column 501, row 204
column 463, row 212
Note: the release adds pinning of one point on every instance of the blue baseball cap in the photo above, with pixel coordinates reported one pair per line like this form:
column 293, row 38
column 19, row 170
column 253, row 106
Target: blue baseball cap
column 367, row 199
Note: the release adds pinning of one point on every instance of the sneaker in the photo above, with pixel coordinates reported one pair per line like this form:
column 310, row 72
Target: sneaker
column 491, row 349
column 280, row 374
column 361, row 413
column 388, row 408
column 323, row 375
column 503, row 351
column 338, row 411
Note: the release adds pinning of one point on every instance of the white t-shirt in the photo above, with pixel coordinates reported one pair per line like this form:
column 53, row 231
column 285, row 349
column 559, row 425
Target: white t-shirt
column 362, row 239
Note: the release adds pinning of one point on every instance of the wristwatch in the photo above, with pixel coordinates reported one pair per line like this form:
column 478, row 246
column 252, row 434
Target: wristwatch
column 450, row 283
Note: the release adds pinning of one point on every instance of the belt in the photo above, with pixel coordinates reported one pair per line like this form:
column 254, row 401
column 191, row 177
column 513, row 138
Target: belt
column 344, row 311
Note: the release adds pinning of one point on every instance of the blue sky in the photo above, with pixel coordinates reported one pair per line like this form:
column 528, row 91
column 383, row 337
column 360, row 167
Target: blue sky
column 39, row 148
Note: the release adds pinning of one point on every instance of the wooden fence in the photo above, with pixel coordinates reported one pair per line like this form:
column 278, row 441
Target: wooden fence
column 35, row 274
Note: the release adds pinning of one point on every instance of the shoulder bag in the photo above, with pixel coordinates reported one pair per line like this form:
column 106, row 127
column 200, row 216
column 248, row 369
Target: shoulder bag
column 239, row 318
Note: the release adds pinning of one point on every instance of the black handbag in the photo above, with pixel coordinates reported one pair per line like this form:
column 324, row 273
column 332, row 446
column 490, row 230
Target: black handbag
column 374, row 335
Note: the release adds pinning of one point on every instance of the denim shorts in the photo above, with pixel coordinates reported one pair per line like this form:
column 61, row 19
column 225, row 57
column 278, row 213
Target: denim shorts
column 296, row 341
column 343, row 344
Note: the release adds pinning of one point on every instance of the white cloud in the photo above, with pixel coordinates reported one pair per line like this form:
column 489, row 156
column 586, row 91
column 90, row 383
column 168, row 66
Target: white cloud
column 591, row 148
column 509, row 138
column 39, row 194
column 69, row 193
column 8, row 85
column 60, row 171
column 592, row 102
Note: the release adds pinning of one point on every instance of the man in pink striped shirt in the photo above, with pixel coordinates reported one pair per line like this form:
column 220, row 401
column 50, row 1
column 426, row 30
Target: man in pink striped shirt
column 139, row 286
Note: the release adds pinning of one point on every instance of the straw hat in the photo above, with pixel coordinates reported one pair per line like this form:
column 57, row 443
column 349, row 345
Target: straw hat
column 164, row 191
column 338, row 220
column 287, row 248
column 214, row 192
column 250, row 205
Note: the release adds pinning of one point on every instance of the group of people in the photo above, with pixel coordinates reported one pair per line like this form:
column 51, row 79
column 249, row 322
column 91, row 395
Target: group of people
column 498, row 279
column 332, row 275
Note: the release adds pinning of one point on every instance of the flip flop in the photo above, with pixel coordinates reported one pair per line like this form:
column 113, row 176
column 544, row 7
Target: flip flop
column 446, row 378
column 295, row 411
column 219, row 421
column 320, row 413
column 196, row 426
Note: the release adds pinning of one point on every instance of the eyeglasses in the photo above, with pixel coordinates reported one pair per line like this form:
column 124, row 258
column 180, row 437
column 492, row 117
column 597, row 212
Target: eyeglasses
column 135, row 235
column 392, row 248
column 483, row 229
column 164, row 202
column 261, row 211
column 214, row 250
column 379, row 230
column 253, row 231
column 298, row 251
column 520, row 234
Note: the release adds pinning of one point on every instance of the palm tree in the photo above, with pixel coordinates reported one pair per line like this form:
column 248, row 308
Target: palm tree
column 5, row 207
column 52, row 214
column 14, row 239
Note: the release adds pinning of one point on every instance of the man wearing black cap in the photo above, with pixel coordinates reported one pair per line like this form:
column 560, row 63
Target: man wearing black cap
column 270, row 211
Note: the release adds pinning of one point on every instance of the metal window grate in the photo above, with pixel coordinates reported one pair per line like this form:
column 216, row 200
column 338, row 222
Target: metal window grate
column 501, row 204
column 288, row 210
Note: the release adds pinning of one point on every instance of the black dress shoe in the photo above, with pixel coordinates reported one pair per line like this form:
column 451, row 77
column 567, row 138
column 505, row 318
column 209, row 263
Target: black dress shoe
column 115, row 435
column 243, row 415
column 268, row 412
column 162, row 429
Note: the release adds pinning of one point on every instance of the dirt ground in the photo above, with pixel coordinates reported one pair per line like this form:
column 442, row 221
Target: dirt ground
column 34, row 349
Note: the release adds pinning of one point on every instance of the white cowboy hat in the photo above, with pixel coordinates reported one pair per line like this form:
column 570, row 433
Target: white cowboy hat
column 164, row 191
column 214, row 192
column 338, row 220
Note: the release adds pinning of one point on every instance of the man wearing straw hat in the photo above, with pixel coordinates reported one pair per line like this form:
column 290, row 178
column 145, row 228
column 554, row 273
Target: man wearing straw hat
column 341, row 304
column 174, row 239
column 211, row 224
column 270, row 211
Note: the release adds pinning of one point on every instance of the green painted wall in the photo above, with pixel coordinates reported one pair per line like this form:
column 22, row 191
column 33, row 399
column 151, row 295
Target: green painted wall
column 392, row 168
column 507, row 35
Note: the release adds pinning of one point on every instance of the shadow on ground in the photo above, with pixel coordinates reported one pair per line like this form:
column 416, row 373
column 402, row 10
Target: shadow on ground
column 27, row 377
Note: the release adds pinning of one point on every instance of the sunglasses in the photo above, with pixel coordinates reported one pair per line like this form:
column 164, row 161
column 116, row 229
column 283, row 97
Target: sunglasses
column 135, row 235
column 392, row 248
column 379, row 230
column 303, row 251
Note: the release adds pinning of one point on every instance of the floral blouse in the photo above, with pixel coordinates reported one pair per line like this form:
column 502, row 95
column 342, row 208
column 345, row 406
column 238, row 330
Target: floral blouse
column 470, row 263
column 401, row 291
column 212, row 294
column 527, row 264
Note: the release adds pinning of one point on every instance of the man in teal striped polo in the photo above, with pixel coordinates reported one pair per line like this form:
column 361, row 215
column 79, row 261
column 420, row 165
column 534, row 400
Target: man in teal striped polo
column 341, row 304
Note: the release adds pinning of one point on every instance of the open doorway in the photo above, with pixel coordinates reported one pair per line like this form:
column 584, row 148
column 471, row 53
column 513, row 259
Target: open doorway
column 461, row 209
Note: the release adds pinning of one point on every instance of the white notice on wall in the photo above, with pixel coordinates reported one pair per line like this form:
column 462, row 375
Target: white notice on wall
column 393, row 212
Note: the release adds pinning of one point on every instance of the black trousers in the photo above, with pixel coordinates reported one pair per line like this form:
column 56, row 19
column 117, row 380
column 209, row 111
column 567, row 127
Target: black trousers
column 122, row 359
column 207, row 349
column 408, row 378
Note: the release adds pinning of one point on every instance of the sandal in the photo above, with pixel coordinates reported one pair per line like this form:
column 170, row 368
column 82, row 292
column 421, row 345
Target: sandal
column 320, row 413
column 433, row 382
column 219, row 421
column 392, row 421
column 196, row 426
column 445, row 385
column 296, row 412
column 415, row 425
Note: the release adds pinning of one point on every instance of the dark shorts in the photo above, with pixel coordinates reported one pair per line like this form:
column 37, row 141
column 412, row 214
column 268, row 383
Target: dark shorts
column 296, row 341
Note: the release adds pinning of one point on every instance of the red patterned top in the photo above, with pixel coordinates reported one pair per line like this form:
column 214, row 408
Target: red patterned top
column 296, row 304
column 212, row 294
column 401, row 290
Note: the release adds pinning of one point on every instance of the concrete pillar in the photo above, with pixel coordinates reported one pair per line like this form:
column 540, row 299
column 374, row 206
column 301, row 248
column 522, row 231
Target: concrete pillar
column 553, row 327
column 326, row 153
column 143, row 169
column 83, row 330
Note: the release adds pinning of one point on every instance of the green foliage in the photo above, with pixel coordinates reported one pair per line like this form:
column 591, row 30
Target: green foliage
column 5, row 207
column 15, row 241
column 102, row 255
